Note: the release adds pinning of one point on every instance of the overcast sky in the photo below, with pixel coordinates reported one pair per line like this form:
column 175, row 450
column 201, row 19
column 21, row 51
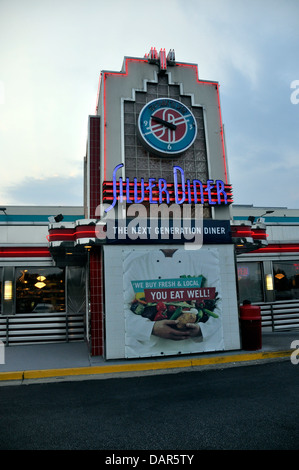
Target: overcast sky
column 51, row 56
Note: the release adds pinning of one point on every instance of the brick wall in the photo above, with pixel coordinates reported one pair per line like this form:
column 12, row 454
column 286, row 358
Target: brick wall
column 94, row 164
column 96, row 293
column 95, row 265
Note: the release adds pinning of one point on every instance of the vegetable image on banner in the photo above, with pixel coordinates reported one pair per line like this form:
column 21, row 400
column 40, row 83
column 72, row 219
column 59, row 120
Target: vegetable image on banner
column 172, row 302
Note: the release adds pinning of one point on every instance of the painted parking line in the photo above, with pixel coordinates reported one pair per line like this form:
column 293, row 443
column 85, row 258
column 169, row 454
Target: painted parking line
column 144, row 366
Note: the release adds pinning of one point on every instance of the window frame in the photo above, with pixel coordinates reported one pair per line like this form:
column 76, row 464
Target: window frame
column 37, row 266
column 288, row 262
column 261, row 280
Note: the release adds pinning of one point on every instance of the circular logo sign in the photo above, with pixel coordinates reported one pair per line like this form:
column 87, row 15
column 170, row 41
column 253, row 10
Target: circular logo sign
column 166, row 127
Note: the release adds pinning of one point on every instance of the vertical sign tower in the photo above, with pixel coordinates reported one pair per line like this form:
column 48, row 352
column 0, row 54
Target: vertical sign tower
column 157, row 138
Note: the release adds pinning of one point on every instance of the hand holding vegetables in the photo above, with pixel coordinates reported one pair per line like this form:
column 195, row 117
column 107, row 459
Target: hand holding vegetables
column 193, row 330
column 164, row 329
column 189, row 316
column 175, row 320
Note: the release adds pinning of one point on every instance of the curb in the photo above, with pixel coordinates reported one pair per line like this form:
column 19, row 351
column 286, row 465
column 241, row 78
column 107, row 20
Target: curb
column 142, row 367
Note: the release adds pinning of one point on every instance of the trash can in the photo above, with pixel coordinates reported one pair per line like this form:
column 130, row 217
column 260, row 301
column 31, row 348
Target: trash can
column 251, row 326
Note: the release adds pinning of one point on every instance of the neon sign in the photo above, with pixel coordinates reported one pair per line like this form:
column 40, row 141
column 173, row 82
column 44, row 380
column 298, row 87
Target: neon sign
column 158, row 191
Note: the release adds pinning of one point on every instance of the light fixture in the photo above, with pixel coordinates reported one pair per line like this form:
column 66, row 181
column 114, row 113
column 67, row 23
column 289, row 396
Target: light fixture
column 41, row 278
column 3, row 209
column 269, row 282
column 57, row 218
column 267, row 212
column 7, row 290
column 40, row 285
column 252, row 218
column 279, row 276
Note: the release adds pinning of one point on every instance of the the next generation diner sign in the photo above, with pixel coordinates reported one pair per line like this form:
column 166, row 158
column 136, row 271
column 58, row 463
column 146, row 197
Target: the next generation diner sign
column 169, row 231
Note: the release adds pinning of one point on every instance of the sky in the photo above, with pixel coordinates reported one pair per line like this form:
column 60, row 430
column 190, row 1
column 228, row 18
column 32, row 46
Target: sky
column 53, row 51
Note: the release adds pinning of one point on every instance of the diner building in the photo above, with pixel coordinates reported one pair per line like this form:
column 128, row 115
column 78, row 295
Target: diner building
column 42, row 302
column 157, row 251
column 269, row 276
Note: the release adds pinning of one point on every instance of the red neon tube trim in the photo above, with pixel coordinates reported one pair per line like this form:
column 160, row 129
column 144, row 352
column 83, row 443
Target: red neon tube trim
column 219, row 109
column 60, row 234
column 23, row 252
column 109, row 193
column 108, row 199
column 241, row 234
column 156, row 190
column 170, row 188
column 98, row 94
column 124, row 74
column 105, row 75
column 198, row 80
column 105, row 122
column 84, row 234
column 138, row 183
column 278, row 248
column 259, row 236
column 221, row 133
column 85, row 228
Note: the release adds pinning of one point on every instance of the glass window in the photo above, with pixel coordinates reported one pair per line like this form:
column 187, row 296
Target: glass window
column 40, row 290
column 250, row 282
column 76, row 293
column 286, row 280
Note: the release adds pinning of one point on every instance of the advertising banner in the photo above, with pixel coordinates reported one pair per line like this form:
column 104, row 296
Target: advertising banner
column 173, row 302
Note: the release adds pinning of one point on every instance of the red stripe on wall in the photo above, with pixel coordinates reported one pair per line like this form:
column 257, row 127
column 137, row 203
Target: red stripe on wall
column 24, row 252
column 279, row 248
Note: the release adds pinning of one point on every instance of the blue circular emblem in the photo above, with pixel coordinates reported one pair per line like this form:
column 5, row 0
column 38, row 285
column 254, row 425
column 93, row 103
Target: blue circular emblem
column 166, row 127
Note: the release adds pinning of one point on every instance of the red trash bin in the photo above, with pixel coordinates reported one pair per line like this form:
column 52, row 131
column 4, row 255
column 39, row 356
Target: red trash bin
column 251, row 326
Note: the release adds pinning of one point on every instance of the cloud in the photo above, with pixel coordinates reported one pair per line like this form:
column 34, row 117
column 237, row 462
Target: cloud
column 55, row 190
column 54, row 53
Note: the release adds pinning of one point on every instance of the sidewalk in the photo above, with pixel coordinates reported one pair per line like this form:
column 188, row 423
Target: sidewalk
column 61, row 361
